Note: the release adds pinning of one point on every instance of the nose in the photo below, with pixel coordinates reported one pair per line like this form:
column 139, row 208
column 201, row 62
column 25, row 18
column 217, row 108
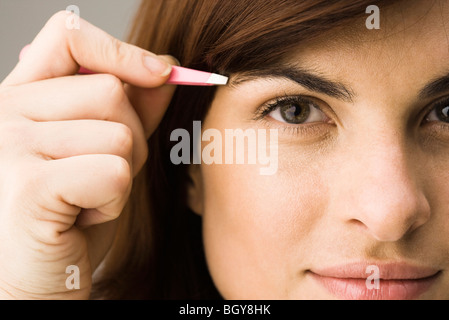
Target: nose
column 380, row 190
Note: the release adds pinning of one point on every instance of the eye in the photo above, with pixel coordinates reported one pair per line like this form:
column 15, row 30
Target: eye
column 296, row 110
column 440, row 112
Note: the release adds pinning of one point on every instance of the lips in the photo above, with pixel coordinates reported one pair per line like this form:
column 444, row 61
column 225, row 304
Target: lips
column 371, row 281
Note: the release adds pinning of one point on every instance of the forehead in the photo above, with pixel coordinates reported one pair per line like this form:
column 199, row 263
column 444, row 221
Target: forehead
column 413, row 40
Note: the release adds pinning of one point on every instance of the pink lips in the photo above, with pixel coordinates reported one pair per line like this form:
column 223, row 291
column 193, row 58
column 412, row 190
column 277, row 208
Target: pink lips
column 396, row 281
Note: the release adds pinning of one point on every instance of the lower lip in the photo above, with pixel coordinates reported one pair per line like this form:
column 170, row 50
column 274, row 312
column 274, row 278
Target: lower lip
column 358, row 289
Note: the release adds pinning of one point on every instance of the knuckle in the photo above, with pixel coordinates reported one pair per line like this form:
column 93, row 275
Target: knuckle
column 57, row 28
column 123, row 139
column 58, row 20
column 118, row 49
column 58, row 17
column 122, row 176
column 113, row 88
column 111, row 83
column 111, row 94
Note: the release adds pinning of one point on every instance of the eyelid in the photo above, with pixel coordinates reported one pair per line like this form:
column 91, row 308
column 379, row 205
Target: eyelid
column 310, row 132
column 433, row 105
column 271, row 105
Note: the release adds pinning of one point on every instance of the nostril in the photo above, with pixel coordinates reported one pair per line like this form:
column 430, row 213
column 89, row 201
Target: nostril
column 385, row 230
column 358, row 225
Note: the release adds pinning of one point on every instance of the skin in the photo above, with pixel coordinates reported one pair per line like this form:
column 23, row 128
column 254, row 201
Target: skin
column 78, row 149
column 367, row 182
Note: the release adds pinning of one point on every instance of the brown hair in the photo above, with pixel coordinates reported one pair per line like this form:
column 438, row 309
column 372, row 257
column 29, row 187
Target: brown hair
column 158, row 251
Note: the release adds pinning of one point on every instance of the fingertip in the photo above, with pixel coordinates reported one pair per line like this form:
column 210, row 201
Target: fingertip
column 157, row 66
column 160, row 67
column 24, row 51
column 170, row 88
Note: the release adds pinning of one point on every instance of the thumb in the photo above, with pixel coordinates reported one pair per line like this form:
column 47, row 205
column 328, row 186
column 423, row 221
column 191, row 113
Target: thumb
column 151, row 103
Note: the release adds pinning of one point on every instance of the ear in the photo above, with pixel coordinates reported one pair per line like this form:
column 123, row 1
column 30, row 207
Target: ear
column 195, row 189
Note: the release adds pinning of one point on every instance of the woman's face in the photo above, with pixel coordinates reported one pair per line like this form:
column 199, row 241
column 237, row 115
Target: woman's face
column 362, row 168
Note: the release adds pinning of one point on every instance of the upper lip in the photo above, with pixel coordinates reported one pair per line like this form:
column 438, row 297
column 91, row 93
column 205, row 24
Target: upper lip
column 387, row 271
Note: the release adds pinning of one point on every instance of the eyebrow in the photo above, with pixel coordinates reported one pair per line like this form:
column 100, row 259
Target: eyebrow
column 305, row 78
column 321, row 84
column 436, row 87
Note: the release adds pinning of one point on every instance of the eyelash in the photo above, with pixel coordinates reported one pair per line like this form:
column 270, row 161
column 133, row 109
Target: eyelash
column 270, row 106
column 299, row 129
column 442, row 102
column 313, row 128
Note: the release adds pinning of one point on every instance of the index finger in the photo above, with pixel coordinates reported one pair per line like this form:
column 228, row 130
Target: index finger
column 58, row 51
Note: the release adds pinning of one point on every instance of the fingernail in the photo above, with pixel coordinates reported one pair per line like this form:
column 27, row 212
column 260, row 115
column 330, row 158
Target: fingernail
column 171, row 59
column 157, row 66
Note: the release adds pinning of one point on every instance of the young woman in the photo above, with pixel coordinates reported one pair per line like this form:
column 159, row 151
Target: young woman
column 357, row 207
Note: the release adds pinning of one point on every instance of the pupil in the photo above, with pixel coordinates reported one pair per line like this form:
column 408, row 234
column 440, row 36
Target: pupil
column 295, row 113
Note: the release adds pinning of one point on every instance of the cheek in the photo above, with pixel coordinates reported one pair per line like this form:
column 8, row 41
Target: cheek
column 437, row 188
column 256, row 227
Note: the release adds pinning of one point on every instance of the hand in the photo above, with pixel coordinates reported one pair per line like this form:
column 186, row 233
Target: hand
column 69, row 148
